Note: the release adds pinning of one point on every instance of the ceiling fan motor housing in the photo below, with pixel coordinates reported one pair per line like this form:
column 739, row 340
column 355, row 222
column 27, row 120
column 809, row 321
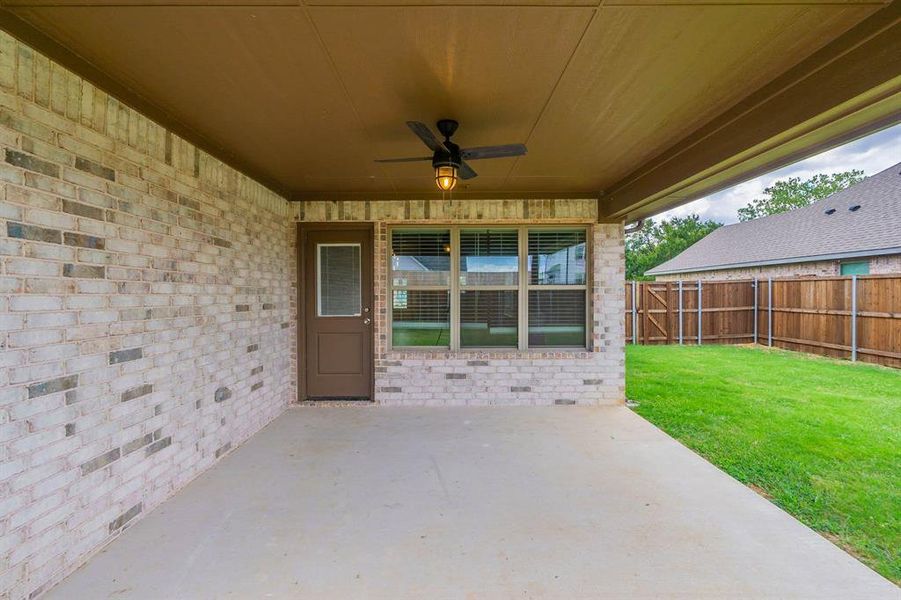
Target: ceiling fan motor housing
column 450, row 157
column 450, row 154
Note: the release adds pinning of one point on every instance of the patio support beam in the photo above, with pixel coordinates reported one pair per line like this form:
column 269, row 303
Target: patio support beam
column 847, row 89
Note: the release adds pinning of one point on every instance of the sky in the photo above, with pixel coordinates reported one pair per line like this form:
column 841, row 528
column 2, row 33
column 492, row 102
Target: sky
column 870, row 154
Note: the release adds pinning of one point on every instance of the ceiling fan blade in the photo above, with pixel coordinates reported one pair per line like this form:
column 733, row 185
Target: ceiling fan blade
column 401, row 160
column 466, row 172
column 428, row 138
column 493, row 151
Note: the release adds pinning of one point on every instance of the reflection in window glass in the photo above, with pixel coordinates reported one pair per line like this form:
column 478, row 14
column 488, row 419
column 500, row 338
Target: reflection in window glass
column 420, row 257
column 556, row 318
column 855, row 268
column 420, row 318
column 488, row 318
column 489, row 257
column 556, row 257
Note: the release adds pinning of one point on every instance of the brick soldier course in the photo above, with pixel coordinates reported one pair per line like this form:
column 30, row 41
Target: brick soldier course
column 148, row 316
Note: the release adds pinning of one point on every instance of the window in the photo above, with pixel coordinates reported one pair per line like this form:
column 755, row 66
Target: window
column 489, row 283
column 861, row 267
column 338, row 277
column 557, row 287
column 489, row 287
column 420, row 288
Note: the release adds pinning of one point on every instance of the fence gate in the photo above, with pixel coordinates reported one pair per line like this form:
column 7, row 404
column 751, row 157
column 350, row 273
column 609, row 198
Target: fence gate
column 651, row 309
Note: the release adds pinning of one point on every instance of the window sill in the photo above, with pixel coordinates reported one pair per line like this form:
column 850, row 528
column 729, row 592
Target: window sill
column 487, row 354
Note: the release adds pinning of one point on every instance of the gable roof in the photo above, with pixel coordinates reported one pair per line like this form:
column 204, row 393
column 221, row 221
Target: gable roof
column 805, row 234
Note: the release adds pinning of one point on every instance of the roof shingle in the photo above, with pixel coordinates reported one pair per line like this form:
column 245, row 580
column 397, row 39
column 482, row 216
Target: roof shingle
column 807, row 233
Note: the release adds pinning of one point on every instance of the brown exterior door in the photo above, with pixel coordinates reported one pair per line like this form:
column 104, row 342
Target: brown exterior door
column 338, row 313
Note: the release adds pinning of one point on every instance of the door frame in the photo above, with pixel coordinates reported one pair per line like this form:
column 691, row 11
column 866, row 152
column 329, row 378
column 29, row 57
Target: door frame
column 303, row 229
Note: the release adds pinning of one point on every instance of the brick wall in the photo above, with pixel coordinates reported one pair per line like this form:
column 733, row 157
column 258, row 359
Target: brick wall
column 413, row 377
column 147, row 302
column 146, row 316
column 879, row 265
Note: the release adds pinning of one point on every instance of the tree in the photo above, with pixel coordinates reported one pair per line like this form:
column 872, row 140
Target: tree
column 788, row 194
column 656, row 243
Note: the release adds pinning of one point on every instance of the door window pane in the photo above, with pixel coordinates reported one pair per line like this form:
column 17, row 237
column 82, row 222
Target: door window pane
column 557, row 318
column 420, row 257
column 489, row 257
column 488, row 318
column 338, row 280
column 420, row 318
column 556, row 257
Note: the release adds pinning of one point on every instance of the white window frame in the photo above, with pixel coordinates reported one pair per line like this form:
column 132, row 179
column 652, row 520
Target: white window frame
column 319, row 247
column 523, row 287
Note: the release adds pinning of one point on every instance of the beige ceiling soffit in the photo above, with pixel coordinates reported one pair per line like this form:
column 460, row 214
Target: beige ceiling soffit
column 873, row 118
column 58, row 53
column 336, row 73
column 588, row 23
column 858, row 70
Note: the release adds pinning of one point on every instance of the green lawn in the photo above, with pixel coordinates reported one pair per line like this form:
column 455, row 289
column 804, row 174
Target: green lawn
column 820, row 438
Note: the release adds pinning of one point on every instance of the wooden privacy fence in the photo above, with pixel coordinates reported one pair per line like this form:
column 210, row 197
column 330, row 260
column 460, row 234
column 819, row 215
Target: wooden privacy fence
column 856, row 317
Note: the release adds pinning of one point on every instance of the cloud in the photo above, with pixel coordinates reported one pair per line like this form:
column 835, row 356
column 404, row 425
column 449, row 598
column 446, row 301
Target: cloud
column 871, row 154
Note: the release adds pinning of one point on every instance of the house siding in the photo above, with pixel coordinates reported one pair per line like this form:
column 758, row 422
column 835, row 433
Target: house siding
column 879, row 265
column 147, row 316
column 412, row 377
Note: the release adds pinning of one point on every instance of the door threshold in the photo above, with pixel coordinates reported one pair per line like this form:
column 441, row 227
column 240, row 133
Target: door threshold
column 329, row 401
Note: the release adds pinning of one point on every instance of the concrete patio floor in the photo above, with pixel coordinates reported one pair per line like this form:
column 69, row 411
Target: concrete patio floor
column 558, row 502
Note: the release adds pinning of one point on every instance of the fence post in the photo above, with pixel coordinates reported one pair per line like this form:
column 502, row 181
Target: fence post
column 769, row 311
column 700, row 314
column 853, row 318
column 680, row 312
column 756, row 288
column 634, row 316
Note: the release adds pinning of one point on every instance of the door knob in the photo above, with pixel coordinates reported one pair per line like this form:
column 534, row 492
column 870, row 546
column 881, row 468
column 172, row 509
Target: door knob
column 367, row 321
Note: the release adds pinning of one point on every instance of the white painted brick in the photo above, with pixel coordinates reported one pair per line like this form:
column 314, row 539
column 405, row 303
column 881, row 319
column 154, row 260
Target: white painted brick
column 44, row 218
column 37, row 337
column 11, row 322
column 37, row 268
column 50, row 319
column 23, row 303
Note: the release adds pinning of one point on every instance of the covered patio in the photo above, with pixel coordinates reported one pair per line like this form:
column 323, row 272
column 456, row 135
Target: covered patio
column 199, row 230
column 468, row 503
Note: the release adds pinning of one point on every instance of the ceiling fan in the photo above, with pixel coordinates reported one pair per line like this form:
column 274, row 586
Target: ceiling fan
column 448, row 159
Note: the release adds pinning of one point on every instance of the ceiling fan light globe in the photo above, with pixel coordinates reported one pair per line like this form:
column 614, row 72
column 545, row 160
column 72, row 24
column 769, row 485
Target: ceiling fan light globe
column 446, row 177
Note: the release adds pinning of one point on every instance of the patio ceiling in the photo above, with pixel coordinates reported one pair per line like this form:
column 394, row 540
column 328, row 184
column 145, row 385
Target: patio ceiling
column 642, row 104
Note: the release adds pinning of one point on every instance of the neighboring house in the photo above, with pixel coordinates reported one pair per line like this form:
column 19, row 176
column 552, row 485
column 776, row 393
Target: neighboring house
column 856, row 231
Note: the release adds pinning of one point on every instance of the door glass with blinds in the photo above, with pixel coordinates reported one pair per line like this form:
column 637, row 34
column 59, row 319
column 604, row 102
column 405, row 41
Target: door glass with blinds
column 420, row 287
column 338, row 280
column 489, row 284
column 557, row 287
